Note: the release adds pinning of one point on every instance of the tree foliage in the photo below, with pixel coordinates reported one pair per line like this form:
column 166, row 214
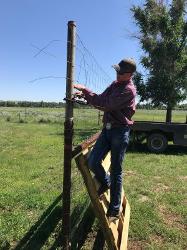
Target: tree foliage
column 163, row 36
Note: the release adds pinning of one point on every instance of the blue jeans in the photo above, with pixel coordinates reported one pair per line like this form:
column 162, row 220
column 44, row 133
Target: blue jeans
column 115, row 140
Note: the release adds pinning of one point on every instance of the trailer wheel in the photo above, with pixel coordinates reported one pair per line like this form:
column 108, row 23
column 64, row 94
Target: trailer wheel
column 157, row 143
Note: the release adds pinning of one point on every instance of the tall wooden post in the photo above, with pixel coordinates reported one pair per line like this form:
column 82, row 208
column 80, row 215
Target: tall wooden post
column 68, row 135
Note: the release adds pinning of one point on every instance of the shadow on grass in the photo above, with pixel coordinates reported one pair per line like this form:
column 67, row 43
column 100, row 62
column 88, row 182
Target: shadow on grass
column 48, row 225
column 36, row 237
column 81, row 133
column 81, row 235
column 80, row 231
column 171, row 149
column 99, row 241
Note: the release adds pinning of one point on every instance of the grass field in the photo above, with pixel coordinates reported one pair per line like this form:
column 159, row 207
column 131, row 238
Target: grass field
column 31, row 174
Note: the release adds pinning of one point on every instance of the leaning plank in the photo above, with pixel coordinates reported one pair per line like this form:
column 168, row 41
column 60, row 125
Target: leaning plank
column 99, row 211
column 107, row 162
column 87, row 144
column 124, row 236
column 116, row 234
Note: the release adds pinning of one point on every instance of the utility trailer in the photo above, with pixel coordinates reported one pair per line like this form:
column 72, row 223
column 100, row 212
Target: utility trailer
column 158, row 134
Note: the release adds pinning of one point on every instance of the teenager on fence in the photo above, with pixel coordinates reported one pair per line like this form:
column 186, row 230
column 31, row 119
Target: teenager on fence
column 118, row 104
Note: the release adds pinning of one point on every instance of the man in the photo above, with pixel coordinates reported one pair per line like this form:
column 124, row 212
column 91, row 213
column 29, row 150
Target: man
column 118, row 104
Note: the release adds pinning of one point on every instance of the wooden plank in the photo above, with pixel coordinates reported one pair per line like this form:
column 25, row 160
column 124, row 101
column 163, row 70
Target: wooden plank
column 116, row 234
column 116, row 228
column 85, row 144
column 118, row 225
column 103, row 201
column 85, row 151
column 99, row 211
column 107, row 162
column 124, row 235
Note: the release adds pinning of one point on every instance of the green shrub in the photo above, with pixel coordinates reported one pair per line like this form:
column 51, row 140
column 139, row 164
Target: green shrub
column 44, row 120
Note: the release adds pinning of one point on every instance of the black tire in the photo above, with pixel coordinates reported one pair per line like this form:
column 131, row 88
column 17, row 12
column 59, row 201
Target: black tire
column 157, row 143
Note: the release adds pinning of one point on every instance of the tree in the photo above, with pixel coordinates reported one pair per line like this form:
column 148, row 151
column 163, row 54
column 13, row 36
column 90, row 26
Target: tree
column 163, row 36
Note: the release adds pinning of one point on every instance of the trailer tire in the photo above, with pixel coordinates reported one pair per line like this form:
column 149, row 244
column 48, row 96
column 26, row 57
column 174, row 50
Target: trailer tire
column 157, row 143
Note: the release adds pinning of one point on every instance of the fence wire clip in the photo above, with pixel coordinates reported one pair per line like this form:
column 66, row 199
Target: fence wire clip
column 75, row 100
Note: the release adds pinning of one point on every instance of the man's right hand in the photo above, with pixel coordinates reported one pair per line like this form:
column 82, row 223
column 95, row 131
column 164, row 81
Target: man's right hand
column 79, row 86
column 79, row 95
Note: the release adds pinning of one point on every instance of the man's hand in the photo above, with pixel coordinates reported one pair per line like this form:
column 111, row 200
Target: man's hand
column 79, row 86
column 79, row 95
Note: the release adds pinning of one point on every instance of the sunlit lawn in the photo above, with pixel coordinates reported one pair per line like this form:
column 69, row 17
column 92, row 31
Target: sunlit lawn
column 31, row 174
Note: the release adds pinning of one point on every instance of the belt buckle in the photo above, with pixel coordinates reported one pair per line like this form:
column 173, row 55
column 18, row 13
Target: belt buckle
column 108, row 125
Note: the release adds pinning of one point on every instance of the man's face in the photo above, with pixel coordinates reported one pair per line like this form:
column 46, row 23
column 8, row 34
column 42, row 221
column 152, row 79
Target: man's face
column 123, row 77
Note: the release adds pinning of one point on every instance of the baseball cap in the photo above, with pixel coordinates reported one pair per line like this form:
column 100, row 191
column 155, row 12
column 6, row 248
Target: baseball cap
column 126, row 65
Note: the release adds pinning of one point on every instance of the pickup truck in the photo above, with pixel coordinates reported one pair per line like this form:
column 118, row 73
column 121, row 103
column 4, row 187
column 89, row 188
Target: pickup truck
column 158, row 134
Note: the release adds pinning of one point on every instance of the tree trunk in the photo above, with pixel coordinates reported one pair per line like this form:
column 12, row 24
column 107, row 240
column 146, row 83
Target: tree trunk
column 169, row 114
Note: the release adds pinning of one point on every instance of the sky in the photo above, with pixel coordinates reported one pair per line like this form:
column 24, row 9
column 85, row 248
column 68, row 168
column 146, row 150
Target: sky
column 105, row 27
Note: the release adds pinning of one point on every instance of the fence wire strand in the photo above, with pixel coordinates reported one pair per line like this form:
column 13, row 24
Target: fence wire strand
column 89, row 70
column 86, row 118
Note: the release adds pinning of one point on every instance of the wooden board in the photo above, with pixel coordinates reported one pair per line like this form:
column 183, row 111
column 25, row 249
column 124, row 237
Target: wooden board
column 97, row 204
column 125, row 229
column 116, row 234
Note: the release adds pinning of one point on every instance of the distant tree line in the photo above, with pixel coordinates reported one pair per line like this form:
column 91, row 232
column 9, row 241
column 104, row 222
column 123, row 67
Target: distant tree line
column 43, row 104
column 160, row 107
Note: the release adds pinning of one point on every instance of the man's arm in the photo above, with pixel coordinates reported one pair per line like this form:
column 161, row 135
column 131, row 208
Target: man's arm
column 83, row 89
column 112, row 102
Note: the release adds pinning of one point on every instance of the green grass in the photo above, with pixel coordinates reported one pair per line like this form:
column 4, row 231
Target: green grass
column 156, row 188
column 56, row 115
column 31, row 174
column 31, row 159
column 159, row 115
